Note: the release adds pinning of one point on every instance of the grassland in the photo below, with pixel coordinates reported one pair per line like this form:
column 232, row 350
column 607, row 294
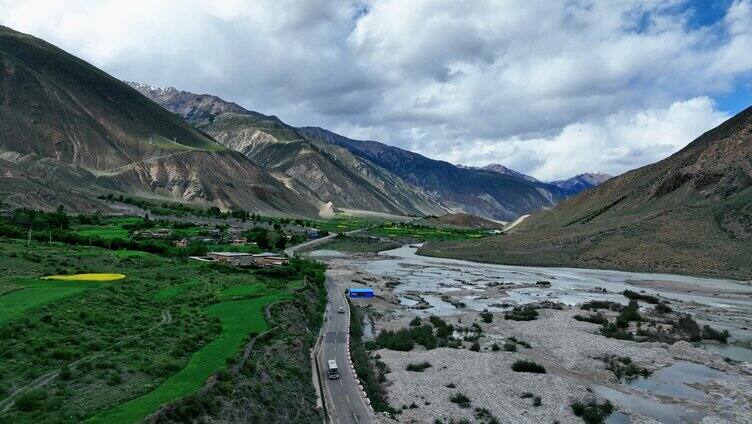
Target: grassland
column 74, row 351
column 238, row 319
column 357, row 244
column 412, row 233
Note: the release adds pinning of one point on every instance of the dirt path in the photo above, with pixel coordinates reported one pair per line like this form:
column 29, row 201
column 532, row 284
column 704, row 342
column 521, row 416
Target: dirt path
column 41, row 381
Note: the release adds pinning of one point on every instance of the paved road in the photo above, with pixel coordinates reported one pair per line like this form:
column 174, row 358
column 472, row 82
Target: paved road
column 348, row 403
column 292, row 249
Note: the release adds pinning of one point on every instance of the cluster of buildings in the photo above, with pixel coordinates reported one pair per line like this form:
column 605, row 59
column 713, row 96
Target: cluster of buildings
column 262, row 260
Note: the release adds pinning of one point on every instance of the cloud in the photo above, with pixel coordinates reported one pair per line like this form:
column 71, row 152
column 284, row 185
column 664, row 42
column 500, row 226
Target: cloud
column 441, row 77
column 619, row 142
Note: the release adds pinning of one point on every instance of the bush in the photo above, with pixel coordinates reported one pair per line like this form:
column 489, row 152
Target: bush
column 405, row 339
column 495, row 347
column 537, row 401
column 460, row 399
column 416, row 322
column 31, row 400
column 598, row 318
column 709, row 333
column 419, row 367
column 624, row 367
column 522, row 313
column 632, row 295
column 630, row 313
column 486, row 316
column 510, row 347
column 662, row 308
column 520, row 342
column 443, row 330
column 524, row 365
column 475, row 347
column 689, row 326
column 592, row 412
column 594, row 305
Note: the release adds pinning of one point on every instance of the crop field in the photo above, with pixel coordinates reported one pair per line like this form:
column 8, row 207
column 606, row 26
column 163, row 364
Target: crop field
column 346, row 223
column 407, row 232
column 114, row 351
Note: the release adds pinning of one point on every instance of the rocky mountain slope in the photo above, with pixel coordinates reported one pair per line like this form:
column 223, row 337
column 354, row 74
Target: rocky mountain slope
column 310, row 166
column 501, row 169
column 70, row 131
column 689, row 213
column 582, row 182
column 474, row 191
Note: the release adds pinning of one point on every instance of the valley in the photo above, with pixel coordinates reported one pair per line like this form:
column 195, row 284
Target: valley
column 648, row 376
column 169, row 256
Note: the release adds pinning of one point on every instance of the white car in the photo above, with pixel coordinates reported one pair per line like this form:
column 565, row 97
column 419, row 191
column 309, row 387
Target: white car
column 341, row 310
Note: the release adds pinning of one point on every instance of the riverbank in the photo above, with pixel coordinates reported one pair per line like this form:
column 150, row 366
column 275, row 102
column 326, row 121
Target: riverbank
column 578, row 359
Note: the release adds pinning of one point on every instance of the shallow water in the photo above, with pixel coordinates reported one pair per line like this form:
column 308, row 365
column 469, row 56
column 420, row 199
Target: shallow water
column 674, row 380
column 571, row 286
column 737, row 353
column 667, row 414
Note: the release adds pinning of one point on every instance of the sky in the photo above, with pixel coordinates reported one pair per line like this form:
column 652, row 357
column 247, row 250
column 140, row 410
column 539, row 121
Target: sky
column 549, row 88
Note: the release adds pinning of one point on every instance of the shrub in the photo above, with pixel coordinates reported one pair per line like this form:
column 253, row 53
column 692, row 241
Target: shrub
column 592, row 412
column 520, row 342
column 510, row 347
column 709, row 333
column 406, row 338
column 662, row 308
column 451, row 386
column 613, row 331
column 630, row 313
column 598, row 318
column 475, row 347
column 30, row 400
column 526, row 395
column 486, row 316
column 537, row 401
column 495, row 347
column 460, row 399
column 524, row 365
column 686, row 324
column 522, row 313
column 624, row 367
column 443, row 330
column 419, row 367
column 594, row 305
column 416, row 322
column 632, row 295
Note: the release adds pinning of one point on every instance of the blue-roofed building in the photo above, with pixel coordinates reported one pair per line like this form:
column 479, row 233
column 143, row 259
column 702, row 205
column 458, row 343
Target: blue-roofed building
column 358, row 292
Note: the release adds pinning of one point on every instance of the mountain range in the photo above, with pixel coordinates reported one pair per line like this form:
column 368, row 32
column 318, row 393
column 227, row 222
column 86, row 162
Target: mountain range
column 71, row 132
column 690, row 213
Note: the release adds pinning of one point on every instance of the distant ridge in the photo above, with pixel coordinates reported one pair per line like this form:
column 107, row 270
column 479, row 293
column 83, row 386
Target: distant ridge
column 690, row 213
column 474, row 191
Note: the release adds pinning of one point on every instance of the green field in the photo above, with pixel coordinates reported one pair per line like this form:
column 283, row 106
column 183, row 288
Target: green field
column 32, row 293
column 238, row 319
column 357, row 244
column 117, row 350
column 409, row 233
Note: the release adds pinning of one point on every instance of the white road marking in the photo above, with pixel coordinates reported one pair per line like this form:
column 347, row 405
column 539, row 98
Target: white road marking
column 341, row 384
column 348, row 398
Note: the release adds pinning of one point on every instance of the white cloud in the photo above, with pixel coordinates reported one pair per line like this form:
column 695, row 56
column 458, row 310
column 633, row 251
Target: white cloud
column 441, row 77
column 615, row 144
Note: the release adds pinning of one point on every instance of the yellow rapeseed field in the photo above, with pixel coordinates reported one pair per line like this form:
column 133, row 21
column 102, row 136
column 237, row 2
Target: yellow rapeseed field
column 86, row 277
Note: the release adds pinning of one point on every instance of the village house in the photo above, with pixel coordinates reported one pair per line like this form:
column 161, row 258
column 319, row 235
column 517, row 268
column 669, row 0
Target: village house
column 231, row 258
column 181, row 243
column 269, row 259
column 161, row 233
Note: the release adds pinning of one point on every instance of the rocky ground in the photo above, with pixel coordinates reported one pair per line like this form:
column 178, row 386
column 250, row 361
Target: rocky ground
column 572, row 352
